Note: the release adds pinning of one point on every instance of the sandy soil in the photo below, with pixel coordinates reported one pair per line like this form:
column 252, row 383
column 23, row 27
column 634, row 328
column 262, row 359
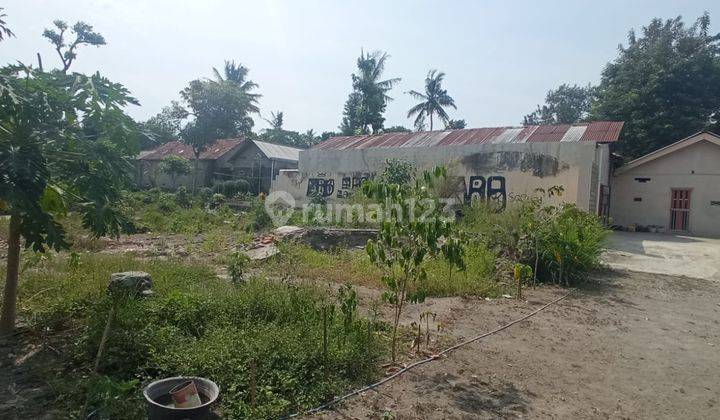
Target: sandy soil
column 626, row 345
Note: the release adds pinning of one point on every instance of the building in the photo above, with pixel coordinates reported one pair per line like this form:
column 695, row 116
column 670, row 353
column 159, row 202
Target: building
column 257, row 162
column 495, row 162
column 676, row 188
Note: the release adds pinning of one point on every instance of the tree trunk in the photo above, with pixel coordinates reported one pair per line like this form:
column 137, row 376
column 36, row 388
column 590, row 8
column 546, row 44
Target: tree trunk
column 431, row 125
column 7, row 319
column 195, row 173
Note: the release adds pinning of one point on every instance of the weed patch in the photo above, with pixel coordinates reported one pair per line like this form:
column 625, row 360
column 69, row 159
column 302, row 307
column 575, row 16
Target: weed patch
column 269, row 333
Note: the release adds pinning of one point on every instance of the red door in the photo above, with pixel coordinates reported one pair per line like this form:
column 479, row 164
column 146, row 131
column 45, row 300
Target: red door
column 680, row 209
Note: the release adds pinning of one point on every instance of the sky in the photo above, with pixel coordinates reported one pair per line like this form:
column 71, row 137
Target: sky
column 500, row 57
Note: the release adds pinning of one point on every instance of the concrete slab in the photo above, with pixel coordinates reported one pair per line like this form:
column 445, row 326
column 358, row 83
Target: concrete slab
column 659, row 253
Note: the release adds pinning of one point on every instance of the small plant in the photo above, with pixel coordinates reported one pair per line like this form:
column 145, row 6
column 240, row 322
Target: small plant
column 216, row 200
column 175, row 166
column 521, row 274
column 347, row 298
column 260, row 217
column 397, row 171
column 182, row 198
column 205, row 193
column 237, row 265
column 404, row 243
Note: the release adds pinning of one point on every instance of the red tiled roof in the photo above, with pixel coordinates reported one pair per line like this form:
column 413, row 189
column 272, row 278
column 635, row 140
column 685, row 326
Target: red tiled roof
column 214, row 151
column 598, row 131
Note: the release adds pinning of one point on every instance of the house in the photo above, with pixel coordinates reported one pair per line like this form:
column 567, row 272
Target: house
column 676, row 188
column 257, row 162
column 494, row 162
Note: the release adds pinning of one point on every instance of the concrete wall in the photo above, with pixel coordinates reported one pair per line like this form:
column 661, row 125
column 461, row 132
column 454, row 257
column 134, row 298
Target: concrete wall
column 648, row 203
column 499, row 169
column 149, row 175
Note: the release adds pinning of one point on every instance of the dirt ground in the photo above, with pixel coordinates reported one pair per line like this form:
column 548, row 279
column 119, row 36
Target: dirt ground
column 626, row 345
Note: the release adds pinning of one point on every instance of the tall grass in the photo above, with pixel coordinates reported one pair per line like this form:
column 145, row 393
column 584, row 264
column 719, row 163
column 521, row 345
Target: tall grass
column 354, row 266
column 561, row 243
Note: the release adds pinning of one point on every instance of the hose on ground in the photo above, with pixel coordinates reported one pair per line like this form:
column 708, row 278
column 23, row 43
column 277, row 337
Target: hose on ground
column 427, row 360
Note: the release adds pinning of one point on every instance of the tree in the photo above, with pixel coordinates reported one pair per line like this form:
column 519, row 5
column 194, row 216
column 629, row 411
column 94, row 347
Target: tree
column 163, row 127
column 237, row 75
column 84, row 35
column 175, row 166
column 5, row 32
column 397, row 129
column 406, row 240
column 564, row 105
column 455, row 124
column 327, row 134
column 364, row 108
column 664, row 84
column 219, row 109
column 63, row 141
column 419, row 124
column 433, row 100
column 278, row 135
column 309, row 139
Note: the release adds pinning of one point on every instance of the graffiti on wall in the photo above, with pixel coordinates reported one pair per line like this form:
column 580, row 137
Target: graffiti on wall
column 349, row 184
column 492, row 188
column 320, row 187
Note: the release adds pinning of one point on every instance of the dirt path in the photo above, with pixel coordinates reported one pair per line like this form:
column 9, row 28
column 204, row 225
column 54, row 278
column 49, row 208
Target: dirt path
column 627, row 345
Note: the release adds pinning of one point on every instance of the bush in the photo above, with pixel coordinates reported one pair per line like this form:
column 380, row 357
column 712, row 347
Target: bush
column 260, row 218
column 231, row 188
column 182, row 198
column 205, row 193
column 216, row 200
column 561, row 243
column 237, row 265
column 569, row 245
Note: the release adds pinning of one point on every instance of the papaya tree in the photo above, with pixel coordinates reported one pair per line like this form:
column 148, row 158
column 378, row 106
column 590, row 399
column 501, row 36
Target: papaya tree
column 414, row 228
column 64, row 144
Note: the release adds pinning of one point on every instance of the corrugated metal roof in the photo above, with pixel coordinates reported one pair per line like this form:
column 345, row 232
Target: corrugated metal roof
column 214, row 151
column 278, row 152
column 599, row 131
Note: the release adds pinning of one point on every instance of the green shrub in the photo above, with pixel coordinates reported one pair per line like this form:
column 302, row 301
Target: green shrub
column 231, row 188
column 182, row 198
column 205, row 193
column 237, row 265
column 216, row 200
column 569, row 245
column 260, row 218
column 560, row 243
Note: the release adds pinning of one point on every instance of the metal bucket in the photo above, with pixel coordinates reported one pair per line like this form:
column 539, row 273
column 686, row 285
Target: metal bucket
column 159, row 401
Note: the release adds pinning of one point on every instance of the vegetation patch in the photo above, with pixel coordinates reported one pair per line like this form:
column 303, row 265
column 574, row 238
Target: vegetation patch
column 260, row 332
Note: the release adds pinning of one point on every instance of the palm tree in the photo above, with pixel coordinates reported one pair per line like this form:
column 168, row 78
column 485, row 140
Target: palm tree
column 5, row 32
column 373, row 91
column 236, row 74
column 433, row 100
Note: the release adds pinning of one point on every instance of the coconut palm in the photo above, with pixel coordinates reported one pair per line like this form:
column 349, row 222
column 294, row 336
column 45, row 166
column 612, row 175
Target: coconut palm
column 433, row 100
column 236, row 74
column 366, row 104
column 5, row 32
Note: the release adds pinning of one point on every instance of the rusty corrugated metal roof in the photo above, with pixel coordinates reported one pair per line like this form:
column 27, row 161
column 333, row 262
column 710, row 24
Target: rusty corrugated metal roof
column 214, row 151
column 598, row 131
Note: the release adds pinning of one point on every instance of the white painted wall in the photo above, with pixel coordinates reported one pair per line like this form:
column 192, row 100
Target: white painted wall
column 696, row 166
column 568, row 164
